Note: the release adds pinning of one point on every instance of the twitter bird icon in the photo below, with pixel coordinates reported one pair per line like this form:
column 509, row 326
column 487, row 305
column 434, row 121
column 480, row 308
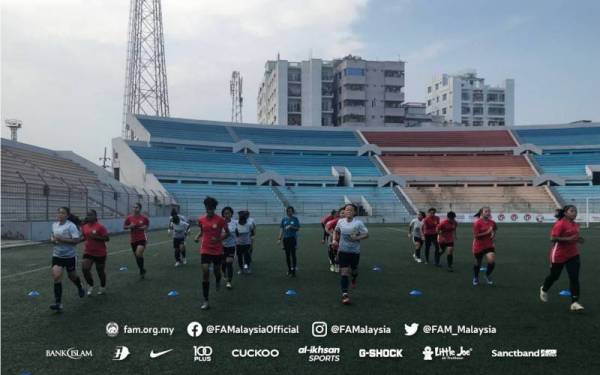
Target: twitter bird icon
column 411, row 329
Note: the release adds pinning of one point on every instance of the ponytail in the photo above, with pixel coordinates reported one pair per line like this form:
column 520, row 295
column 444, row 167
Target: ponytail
column 561, row 212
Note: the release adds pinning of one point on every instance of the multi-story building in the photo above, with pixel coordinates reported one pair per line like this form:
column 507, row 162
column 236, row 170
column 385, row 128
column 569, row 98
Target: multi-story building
column 465, row 99
column 296, row 93
column 369, row 93
column 343, row 92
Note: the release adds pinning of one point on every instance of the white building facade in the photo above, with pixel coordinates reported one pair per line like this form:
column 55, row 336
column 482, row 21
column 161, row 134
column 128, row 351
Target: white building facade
column 465, row 100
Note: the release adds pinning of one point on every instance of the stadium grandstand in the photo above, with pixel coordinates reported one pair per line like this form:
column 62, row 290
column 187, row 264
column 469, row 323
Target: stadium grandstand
column 36, row 181
column 390, row 174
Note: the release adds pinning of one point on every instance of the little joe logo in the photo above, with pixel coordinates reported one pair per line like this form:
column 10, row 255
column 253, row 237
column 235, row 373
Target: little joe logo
column 446, row 352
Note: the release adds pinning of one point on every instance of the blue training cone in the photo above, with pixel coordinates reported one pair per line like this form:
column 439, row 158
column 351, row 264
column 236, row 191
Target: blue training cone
column 415, row 293
column 291, row 292
column 377, row 269
column 565, row 293
column 173, row 293
column 123, row 268
column 33, row 293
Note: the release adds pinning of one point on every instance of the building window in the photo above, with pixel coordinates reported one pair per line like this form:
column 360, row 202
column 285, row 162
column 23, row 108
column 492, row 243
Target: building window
column 477, row 96
column 437, row 86
column 354, row 87
column 326, row 105
column 444, row 97
column 327, row 89
column 354, row 72
column 327, row 74
column 496, row 111
column 294, row 89
column 429, row 89
column 393, row 73
column 394, row 89
column 294, row 105
column 295, row 119
column 393, row 119
column 392, row 104
column 444, row 111
column 465, row 95
column 465, row 110
column 353, row 118
column 477, row 111
column 429, row 102
column 437, row 99
column 294, row 75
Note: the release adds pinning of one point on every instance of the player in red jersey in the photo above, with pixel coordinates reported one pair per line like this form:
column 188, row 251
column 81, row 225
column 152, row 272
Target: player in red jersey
column 484, row 233
column 564, row 253
column 446, row 237
column 95, row 236
column 324, row 221
column 332, row 250
column 137, row 224
column 213, row 230
column 429, row 229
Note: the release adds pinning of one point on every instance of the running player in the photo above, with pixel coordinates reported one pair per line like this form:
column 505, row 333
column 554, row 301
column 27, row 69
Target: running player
column 324, row 221
column 95, row 236
column 415, row 233
column 290, row 225
column 213, row 230
column 484, row 233
column 446, row 237
column 137, row 224
column 565, row 235
column 65, row 237
column 348, row 234
column 244, row 232
column 228, row 246
column 332, row 250
column 429, row 224
column 179, row 228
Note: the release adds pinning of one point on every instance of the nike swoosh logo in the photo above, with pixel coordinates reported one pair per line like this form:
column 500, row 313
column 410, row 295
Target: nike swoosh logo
column 156, row 355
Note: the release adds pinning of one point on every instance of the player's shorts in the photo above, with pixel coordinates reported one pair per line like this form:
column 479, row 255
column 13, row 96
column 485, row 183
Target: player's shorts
column 134, row 245
column 446, row 245
column 177, row 242
column 229, row 252
column 348, row 259
column 289, row 243
column 484, row 252
column 95, row 259
column 68, row 263
column 209, row 258
column 418, row 240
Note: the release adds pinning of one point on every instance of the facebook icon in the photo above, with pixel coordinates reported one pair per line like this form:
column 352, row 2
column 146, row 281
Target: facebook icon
column 194, row 329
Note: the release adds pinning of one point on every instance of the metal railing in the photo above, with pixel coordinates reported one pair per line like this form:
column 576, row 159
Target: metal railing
column 38, row 202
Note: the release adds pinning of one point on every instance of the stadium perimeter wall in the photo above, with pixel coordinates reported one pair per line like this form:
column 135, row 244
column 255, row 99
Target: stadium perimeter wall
column 40, row 230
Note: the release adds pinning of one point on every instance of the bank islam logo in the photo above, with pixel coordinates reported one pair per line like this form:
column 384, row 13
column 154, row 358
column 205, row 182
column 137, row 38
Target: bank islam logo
column 410, row 330
column 202, row 353
column 121, row 352
column 70, row 353
column 446, row 352
column 112, row 329
column 194, row 329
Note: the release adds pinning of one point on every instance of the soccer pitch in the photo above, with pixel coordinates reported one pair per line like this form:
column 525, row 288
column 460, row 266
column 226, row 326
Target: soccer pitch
column 382, row 298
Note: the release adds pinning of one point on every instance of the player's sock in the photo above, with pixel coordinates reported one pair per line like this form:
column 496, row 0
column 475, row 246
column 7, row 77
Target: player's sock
column 205, row 289
column 77, row 283
column 183, row 252
column 102, row 277
column 218, row 278
column 177, row 255
column 418, row 253
column 450, row 259
column 476, row 268
column 229, row 269
column 490, row 268
column 58, row 292
column 344, row 283
column 87, row 275
column 140, row 262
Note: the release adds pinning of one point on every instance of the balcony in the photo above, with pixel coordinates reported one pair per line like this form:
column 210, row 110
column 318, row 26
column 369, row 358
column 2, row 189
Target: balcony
column 353, row 110
column 397, row 96
column 394, row 81
column 390, row 111
column 354, row 95
column 353, row 80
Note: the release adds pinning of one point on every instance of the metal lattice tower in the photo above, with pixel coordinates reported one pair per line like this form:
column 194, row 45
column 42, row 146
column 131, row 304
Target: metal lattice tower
column 146, row 75
column 235, row 88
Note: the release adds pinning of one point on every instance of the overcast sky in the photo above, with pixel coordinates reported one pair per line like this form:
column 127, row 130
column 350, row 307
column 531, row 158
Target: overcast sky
column 63, row 61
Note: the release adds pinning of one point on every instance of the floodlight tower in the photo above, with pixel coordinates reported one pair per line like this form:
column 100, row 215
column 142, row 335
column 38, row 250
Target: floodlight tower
column 235, row 88
column 14, row 125
column 145, row 73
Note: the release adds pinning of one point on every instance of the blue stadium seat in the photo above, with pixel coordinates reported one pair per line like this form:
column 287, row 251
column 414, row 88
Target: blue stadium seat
column 315, row 165
column 568, row 163
column 188, row 130
column 298, row 137
column 561, row 137
column 161, row 161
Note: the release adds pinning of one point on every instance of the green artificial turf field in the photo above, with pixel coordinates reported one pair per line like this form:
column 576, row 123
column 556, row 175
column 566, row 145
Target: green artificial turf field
column 382, row 298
